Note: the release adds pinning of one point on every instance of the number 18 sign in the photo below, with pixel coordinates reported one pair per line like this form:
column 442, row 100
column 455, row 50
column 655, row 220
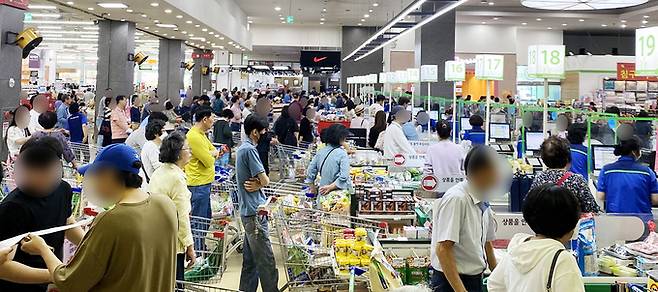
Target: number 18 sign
column 646, row 51
column 546, row 61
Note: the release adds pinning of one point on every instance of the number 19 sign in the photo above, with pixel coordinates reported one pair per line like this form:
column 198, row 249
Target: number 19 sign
column 646, row 51
column 546, row 61
column 489, row 67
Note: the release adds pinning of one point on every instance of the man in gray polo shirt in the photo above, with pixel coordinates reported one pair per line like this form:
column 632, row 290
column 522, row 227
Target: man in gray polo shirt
column 464, row 227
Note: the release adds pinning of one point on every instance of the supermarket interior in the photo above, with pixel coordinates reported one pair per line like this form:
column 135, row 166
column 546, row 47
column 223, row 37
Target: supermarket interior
column 329, row 145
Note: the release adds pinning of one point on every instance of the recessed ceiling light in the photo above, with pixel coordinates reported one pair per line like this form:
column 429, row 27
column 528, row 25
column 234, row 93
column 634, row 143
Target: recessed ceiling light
column 156, row 21
column 322, row 19
column 211, row 32
column 277, row 8
column 549, row 27
column 155, row 4
column 604, row 25
column 484, row 22
column 183, row 32
column 645, row 22
column 324, row 9
column 165, row 25
column 197, row 25
column 123, row 19
column 179, row 16
column 492, row 4
column 167, row 10
column 129, row 10
column 646, row 16
column 204, row 30
column 230, row 43
column 564, row 24
column 144, row 15
column 250, row 21
column 360, row 24
column 370, row 10
column 575, row 5
column 243, row 50
column 366, row 15
column 70, row 3
column 623, row 21
column 538, row 19
column 623, row 26
column 146, row 27
column 191, row 35
column 281, row 18
column 175, row 28
column 189, row 22
column 524, row 23
column 581, row 20
column 362, row 20
column 321, row 22
column 375, row 4
column 173, row 37
column 221, row 38
column 45, row 7
column 156, row 31
column 90, row 8
column 496, row 18
column 111, row 5
column 164, row 34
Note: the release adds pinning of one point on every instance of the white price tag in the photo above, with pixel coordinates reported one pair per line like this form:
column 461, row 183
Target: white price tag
column 646, row 51
column 546, row 61
column 429, row 73
column 489, row 67
column 413, row 75
column 455, row 71
column 382, row 78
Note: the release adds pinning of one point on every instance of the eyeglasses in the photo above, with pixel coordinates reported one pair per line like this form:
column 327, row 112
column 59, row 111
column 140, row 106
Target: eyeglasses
column 185, row 148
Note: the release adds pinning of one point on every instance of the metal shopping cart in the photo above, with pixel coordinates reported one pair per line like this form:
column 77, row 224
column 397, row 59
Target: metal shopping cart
column 195, row 287
column 293, row 161
column 307, row 238
column 210, row 246
column 84, row 153
column 224, row 193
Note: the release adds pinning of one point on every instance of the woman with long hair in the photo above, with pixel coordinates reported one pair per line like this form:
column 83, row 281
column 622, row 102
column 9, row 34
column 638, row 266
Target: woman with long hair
column 17, row 133
column 377, row 129
column 286, row 129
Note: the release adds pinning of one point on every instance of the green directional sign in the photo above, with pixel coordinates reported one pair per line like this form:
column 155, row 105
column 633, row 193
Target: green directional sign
column 28, row 16
column 290, row 19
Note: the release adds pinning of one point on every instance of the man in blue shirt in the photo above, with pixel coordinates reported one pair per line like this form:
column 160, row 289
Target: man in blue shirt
column 476, row 135
column 63, row 112
column 257, row 257
column 77, row 124
column 579, row 158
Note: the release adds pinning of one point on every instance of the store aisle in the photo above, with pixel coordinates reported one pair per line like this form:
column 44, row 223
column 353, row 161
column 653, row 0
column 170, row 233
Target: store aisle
column 231, row 278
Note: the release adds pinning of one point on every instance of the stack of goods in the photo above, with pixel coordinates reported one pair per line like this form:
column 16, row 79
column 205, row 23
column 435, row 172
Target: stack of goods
column 365, row 174
column 352, row 250
column 382, row 199
column 585, row 247
column 337, row 202
column 413, row 270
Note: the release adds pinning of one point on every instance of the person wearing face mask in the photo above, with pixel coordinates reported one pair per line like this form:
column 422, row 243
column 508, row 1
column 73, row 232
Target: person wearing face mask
column 150, row 154
column 130, row 247
column 540, row 261
column 41, row 200
column 461, row 249
column 258, row 263
column 626, row 186
column 169, row 179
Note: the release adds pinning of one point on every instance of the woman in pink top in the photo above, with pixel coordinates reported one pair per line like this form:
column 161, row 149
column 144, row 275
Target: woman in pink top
column 445, row 157
column 236, row 122
column 120, row 123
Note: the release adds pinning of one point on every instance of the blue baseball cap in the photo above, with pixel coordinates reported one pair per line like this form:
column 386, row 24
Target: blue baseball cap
column 116, row 156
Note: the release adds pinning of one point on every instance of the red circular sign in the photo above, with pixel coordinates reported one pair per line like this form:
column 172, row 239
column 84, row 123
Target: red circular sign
column 429, row 183
column 399, row 159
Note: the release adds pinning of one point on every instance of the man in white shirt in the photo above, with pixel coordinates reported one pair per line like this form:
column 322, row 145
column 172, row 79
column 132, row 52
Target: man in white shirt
column 377, row 106
column 39, row 105
column 461, row 244
column 395, row 142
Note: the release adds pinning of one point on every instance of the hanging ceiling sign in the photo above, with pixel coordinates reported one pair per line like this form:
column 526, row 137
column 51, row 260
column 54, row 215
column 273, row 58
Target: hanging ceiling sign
column 413, row 75
column 646, row 51
column 391, row 77
column 429, row 73
column 382, row 78
column 489, row 67
column 546, row 61
column 402, row 76
column 455, row 71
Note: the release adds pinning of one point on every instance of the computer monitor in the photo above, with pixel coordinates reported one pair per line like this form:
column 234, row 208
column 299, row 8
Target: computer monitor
column 533, row 140
column 499, row 131
column 466, row 125
column 602, row 155
column 359, row 136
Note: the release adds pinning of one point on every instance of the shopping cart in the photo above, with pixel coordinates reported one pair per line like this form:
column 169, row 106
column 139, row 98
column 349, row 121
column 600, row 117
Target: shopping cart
column 195, row 287
column 293, row 161
column 307, row 237
column 84, row 153
column 224, row 194
column 209, row 244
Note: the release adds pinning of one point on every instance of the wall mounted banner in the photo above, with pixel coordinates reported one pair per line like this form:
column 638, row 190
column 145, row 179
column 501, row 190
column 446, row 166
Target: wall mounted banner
column 646, row 51
column 546, row 61
column 489, row 67
column 455, row 71
column 429, row 73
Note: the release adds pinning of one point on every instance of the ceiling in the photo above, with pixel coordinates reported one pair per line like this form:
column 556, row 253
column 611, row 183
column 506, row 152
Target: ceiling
column 149, row 17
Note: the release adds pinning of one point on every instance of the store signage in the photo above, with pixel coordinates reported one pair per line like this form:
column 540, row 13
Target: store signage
column 399, row 160
column 22, row 4
column 315, row 59
column 489, row 67
column 372, row 78
column 413, row 75
column 290, row 19
column 448, row 181
column 206, row 56
column 429, row 183
column 429, row 73
column 382, row 77
column 626, row 72
column 509, row 224
column 392, row 77
column 646, row 51
column 455, row 71
column 402, row 76
column 546, row 61
column 34, row 61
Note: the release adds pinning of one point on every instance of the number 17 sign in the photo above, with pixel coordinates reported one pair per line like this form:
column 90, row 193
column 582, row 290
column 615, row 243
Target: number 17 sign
column 489, row 67
column 646, row 51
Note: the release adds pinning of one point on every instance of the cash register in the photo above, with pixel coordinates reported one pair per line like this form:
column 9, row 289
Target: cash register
column 500, row 136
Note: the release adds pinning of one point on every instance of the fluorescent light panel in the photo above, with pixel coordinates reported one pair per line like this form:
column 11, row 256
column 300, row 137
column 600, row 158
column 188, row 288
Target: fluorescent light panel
column 387, row 27
column 46, row 7
column 165, row 25
column 69, row 32
column 59, row 22
column 425, row 21
column 111, row 5
column 48, row 15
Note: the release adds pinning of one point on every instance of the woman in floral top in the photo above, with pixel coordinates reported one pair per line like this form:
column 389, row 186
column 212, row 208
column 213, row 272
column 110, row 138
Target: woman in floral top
column 556, row 154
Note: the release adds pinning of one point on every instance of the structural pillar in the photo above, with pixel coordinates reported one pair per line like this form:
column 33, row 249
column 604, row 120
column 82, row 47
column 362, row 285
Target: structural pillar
column 170, row 74
column 433, row 50
column 116, row 40
column 200, row 82
column 11, row 20
column 353, row 37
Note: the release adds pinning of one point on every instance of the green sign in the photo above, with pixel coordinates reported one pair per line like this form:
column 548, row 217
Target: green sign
column 28, row 16
column 546, row 61
column 290, row 19
column 646, row 52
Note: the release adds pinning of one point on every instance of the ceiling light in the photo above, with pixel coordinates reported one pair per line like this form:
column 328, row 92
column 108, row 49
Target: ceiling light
column 436, row 15
column 156, row 21
column 183, row 32
column 277, row 8
column 538, row 19
column 360, row 24
column 322, row 19
column 47, row 15
column 321, row 22
column 283, row 22
column 243, row 50
column 48, row 27
column 59, row 22
column 204, row 29
column 139, row 33
column 369, row 10
column 167, row 11
column 123, row 19
column 189, row 22
column 645, row 22
column 646, row 16
column 112, row 5
column 211, row 33
column 564, row 24
column 129, row 10
column 179, row 16
column 155, row 4
column 191, row 35
column 230, row 43
column 581, row 20
column 604, row 25
column 362, row 20
column 484, row 22
column 46, row 7
column 524, row 23
column 70, row 3
column 144, row 15
column 281, row 18
column 580, row 4
column 156, row 31
column 375, row 4
column 623, row 21
column 90, row 8
column 643, row 26
column 197, row 25
column 492, row 4
column 250, row 21
column 623, row 26
column 165, row 25
column 325, row 9
column 175, row 28
column 496, row 18
column 146, row 27
column 366, row 15
column 549, row 28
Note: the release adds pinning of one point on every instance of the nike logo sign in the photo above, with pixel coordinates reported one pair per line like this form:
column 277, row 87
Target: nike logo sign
column 318, row 60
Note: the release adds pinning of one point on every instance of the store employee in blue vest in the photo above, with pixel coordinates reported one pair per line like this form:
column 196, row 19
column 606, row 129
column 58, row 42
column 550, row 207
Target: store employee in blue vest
column 626, row 186
column 579, row 159
column 476, row 135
